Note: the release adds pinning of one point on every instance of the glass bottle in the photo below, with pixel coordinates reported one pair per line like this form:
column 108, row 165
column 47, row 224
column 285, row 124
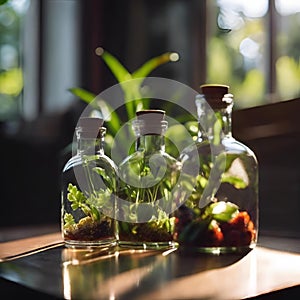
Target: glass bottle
column 221, row 215
column 148, row 178
column 88, row 189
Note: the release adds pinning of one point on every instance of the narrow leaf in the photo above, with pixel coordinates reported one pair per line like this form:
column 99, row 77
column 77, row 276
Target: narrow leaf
column 153, row 63
column 112, row 119
column 118, row 70
column 238, row 183
column 84, row 95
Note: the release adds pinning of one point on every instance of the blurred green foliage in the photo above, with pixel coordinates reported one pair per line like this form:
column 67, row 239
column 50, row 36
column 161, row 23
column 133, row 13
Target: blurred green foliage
column 11, row 73
column 133, row 98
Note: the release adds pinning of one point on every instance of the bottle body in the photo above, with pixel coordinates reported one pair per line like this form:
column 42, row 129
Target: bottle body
column 228, row 222
column 221, row 215
column 88, row 196
column 148, row 177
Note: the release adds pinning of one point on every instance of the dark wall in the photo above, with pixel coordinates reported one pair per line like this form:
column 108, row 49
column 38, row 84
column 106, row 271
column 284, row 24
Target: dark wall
column 272, row 131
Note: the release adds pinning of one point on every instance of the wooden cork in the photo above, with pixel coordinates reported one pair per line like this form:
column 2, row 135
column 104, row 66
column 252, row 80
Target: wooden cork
column 214, row 94
column 89, row 127
column 151, row 120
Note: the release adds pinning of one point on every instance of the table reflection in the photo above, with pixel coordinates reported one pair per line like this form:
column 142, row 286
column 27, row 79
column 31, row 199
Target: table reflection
column 119, row 273
column 128, row 274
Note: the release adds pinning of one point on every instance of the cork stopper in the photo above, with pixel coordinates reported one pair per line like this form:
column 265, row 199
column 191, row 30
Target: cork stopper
column 151, row 121
column 214, row 94
column 89, row 127
column 151, row 115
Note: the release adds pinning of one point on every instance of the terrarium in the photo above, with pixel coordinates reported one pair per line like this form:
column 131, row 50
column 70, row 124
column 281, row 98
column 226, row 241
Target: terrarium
column 148, row 180
column 88, row 190
column 221, row 214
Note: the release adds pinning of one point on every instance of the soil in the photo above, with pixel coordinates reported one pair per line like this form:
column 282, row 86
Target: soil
column 88, row 230
column 144, row 232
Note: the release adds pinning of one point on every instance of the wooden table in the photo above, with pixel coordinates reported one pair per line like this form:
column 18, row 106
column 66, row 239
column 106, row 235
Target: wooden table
column 49, row 268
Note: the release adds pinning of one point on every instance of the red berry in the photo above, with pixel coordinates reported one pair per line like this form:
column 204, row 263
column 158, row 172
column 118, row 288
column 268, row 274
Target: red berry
column 239, row 231
column 237, row 222
column 250, row 226
column 213, row 237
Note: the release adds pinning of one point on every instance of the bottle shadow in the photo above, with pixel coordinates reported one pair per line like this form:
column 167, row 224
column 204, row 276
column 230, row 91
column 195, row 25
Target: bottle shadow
column 187, row 262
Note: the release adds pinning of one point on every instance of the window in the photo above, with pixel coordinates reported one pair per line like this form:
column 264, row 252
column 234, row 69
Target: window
column 39, row 56
column 287, row 44
column 250, row 45
column 51, row 56
column 11, row 54
column 255, row 48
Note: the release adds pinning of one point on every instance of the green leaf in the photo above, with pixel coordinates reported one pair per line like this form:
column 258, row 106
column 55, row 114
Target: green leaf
column 131, row 89
column 74, row 206
column 192, row 127
column 222, row 211
column 84, row 95
column 86, row 209
column 68, row 220
column 108, row 181
column 112, row 119
column 153, row 63
column 79, row 200
column 118, row 70
column 217, row 130
column 132, row 96
column 235, row 181
column 100, row 171
column 95, row 213
column 201, row 181
column 187, row 182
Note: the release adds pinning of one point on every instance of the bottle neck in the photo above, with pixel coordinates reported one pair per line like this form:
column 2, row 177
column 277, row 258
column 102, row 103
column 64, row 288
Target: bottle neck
column 150, row 143
column 150, row 135
column 214, row 124
column 224, row 116
column 90, row 144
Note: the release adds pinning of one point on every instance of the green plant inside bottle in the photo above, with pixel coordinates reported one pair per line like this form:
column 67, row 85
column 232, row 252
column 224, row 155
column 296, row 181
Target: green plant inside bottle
column 94, row 225
column 149, row 181
column 149, row 223
column 221, row 213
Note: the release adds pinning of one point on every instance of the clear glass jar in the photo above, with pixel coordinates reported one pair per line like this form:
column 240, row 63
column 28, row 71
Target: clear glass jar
column 221, row 215
column 148, row 178
column 88, row 190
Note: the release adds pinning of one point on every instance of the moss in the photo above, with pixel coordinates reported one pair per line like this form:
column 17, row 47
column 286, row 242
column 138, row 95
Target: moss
column 143, row 232
column 89, row 230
